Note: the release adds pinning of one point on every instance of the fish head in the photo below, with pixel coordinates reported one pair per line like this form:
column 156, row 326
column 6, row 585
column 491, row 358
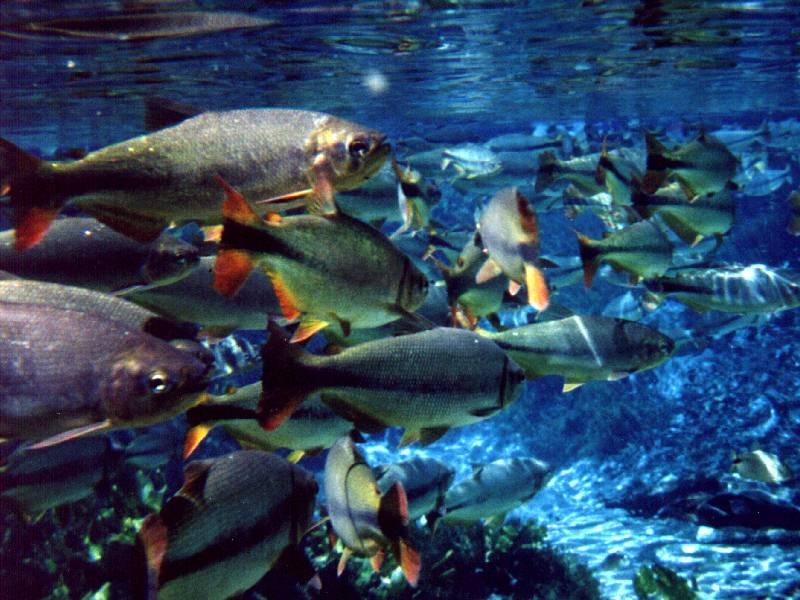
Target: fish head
column 514, row 382
column 169, row 260
column 151, row 381
column 355, row 153
column 652, row 347
column 413, row 287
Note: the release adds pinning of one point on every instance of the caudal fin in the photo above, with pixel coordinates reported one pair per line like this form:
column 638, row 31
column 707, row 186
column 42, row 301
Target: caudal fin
column 589, row 258
column 284, row 386
column 35, row 205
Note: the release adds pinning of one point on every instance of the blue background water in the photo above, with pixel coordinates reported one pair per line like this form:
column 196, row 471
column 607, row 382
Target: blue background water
column 465, row 72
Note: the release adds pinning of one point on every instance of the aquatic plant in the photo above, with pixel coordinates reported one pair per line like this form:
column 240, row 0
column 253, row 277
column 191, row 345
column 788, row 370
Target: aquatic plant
column 658, row 582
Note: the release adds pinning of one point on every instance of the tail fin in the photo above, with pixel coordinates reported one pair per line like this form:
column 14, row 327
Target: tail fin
column 639, row 199
column 35, row 206
column 283, row 385
column 589, row 257
column 657, row 164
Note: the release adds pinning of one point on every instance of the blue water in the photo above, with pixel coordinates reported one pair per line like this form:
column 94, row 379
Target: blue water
column 436, row 75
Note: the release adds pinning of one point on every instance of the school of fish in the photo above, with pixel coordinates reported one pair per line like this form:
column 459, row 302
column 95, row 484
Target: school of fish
column 106, row 319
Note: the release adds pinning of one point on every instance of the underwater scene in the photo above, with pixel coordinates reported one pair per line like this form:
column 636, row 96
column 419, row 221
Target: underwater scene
column 401, row 299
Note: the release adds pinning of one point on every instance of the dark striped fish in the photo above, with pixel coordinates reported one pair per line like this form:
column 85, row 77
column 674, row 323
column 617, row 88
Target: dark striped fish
column 584, row 348
column 362, row 518
column 234, row 518
column 733, row 289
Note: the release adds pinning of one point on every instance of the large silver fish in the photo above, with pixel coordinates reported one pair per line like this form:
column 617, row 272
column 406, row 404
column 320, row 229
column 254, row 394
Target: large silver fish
column 86, row 253
column 234, row 518
column 140, row 185
column 362, row 518
column 65, row 373
column 424, row 382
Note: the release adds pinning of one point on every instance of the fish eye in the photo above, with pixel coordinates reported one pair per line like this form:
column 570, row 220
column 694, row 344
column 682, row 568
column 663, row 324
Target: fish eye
column 358, row 148
column 158, row 382
column 460, row 261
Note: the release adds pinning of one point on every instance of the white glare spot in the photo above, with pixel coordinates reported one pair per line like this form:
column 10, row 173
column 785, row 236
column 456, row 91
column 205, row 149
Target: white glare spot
column 376, row 82
column 71, row 64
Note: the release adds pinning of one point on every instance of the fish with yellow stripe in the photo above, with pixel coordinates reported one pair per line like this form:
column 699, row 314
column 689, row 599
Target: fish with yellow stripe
column 322, row 269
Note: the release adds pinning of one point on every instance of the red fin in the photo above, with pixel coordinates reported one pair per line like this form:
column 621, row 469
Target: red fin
column 235, row 206
column 306, row 329
column 31, row 226
column 193, row 438
column 321, row 201
column 377, row 560
column 588, row 258
column 231, row 270
column 527, row 219
column 286, row 300
column 538, row 292
column 409, row 560
column 513, row 287
column 393, row 512
column 154, row 536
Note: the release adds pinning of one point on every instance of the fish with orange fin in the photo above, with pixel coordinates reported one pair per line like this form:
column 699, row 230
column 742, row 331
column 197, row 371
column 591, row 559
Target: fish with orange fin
column 510, row 234
column 424, row 382
column 364, row 520
column 322, row 269
column 236, row 517
column 65, row 373
column 139, row 186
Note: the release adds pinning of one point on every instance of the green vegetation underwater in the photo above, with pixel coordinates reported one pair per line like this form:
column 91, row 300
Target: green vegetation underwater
column 498, row 297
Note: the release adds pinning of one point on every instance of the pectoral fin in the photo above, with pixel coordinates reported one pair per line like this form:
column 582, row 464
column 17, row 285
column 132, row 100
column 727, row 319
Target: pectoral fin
column 72, row 434
column 489, row 270
column 321, row 200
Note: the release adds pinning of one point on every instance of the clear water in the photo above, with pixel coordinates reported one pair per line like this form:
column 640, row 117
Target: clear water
column 438, row 74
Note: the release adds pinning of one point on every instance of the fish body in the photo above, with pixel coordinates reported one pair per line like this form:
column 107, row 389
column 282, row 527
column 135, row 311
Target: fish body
column 702, row 166
column 424, row 382
column 425, row 481
column 64, row 370
column 109, row 261
column 734, row 289
column 761, row 466
column 640, row 250
column 580, row 172
column 322, row 269
column 140, row 185
column 584, row 348
column 471, row 161
column 616, row 172
column 510, row 234
column 494, row 489
column 519, row 142
column 195, row 300
column 709, row 215
column 363, row 519
column 23, row 291
column 227, row 526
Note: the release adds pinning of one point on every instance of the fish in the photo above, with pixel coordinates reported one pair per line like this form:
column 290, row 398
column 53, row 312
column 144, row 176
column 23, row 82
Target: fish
column 641, row 250
column 109, row 261
column 414, row 198
column 425, row 382
column 616, row 173
column 519, row 142
column 510, row 235
column 584, row 348
column 322, row 269
column 137, row 27
column 581, row 172
column 311, row 428
column 102, row 305
column 741, row 139
column 628, row 306
column 470, row 161
column 469, row 300
column 760, row 466
column 193, row 299
column 365, row 520
column 236, row 517
column 138, row 186
column 702, row 166
column 494, row 489
column 711, row 214
column 793, row 226
column 65, row 373
column 425, row 481
column 750, row 289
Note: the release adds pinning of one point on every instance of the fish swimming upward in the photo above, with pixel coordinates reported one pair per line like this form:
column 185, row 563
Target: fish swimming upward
column 139, row 186
column 322, row 269
column 424, row 382
column 510, row 234
column 364, row 520
column 236, row 517
column 65, row 373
